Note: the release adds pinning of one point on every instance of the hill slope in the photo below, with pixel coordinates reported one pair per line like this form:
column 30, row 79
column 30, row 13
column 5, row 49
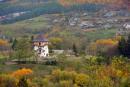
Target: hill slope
column 34, row 8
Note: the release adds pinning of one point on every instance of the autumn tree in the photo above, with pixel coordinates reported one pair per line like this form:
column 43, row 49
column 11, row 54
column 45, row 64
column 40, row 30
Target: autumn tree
column 104, row 47
column 55, row 43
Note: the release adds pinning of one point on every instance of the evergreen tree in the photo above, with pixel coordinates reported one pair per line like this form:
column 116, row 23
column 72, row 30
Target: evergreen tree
column 32, row 38
column 128, row 46
column 14, row 44
column 122, row 46
column 75, row 50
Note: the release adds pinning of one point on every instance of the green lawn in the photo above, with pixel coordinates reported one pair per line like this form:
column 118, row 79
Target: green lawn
column 100, row 34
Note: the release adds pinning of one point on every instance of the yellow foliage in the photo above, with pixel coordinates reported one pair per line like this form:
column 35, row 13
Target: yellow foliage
column 105, row 46
column 118, row 38
column 58, row 75
column 6, row 79
column 111, row 72
column 55, row 40
column 22, row 72
column 119, row 73
column 82, row 80
column 106, row 42
column 75, row 85
column 65, row 83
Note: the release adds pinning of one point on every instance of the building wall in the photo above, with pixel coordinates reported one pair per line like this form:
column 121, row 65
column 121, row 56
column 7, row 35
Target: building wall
column 40, row 43
column 41, row 49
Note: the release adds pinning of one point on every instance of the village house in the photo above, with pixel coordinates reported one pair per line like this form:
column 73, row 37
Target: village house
column 40, row 44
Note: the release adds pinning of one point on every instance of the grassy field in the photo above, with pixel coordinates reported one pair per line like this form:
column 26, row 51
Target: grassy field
column 99, row 34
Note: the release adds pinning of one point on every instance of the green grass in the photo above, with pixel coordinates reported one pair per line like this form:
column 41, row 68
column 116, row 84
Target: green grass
column 101, row 34
column 39, row 68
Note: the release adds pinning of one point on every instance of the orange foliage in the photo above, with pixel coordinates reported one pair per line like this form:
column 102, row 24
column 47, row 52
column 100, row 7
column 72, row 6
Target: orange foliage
column 112, row 72
column 107, row 46
column 22, row 72
column 106, row 42
column 71, row 2
column 3, row 42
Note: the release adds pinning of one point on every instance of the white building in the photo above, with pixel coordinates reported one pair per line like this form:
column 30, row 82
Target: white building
column 41, row 46
column 126, row 26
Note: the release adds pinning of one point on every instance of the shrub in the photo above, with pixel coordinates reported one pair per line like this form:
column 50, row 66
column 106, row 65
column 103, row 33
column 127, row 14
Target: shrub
column 7, row 81
column 22, row 72
column 82, row 80
column 66, row 83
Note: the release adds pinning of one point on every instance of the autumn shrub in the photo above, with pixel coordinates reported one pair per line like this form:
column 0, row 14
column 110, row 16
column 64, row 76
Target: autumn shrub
column 119, row 61
column 82, row 80
column 94, row 60
column 65, row 83
column 21, row 72
column 3, row 42
column 7, row 81
column 58, row 75
column 92, row 72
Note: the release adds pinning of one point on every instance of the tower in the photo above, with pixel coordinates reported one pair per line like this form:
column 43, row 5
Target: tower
column 40, row 44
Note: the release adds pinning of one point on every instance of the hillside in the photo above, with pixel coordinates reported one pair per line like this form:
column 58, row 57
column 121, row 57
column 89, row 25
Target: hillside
column 32, row 8
column 12, row 11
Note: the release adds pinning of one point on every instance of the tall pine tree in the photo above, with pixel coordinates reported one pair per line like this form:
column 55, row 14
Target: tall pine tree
column 122, row 46
column 75, row 50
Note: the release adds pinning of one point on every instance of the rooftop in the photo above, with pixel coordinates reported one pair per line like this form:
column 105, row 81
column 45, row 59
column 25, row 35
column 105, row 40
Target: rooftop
column 40, row 38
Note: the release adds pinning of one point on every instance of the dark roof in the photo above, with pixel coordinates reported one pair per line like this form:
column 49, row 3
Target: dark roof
column 40, row 38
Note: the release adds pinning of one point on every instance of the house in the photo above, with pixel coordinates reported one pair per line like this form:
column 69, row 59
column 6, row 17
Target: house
column 110, row 14
column 126, row 26
column 58, row 51
column 40, row 44
column 86, row 24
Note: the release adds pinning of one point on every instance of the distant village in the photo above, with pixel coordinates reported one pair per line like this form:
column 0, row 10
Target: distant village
column 103, row 19
column 84, row 20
